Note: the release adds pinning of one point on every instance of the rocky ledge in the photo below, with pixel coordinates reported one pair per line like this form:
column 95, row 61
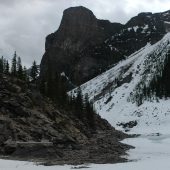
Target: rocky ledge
column 33, row 128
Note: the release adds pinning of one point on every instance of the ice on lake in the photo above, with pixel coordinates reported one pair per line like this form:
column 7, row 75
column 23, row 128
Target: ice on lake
column 152, row 152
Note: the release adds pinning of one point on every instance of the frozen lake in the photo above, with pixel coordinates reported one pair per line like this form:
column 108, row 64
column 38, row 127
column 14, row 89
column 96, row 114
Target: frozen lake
column 152, row 152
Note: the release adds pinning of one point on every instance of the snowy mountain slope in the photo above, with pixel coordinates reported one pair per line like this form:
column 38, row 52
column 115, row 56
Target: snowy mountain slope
column 112, row 92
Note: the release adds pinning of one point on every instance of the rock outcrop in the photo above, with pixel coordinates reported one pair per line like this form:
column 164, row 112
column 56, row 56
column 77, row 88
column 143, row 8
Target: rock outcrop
column 68, row 49
column 33, row 128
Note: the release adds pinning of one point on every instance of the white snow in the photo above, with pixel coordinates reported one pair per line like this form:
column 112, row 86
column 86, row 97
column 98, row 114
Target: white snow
column 145, row 27
column 166, row 22
column 152, row 148
column 135, row 28
column 152, row 117
column 166, row 13
column 151, row 153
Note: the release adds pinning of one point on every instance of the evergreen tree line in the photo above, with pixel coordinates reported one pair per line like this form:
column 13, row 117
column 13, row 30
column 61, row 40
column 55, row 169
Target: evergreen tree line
column 17, row 70
column 56, row 89
column 4, row 66
column 82, row 107
column 160, row 84
column 158, row 88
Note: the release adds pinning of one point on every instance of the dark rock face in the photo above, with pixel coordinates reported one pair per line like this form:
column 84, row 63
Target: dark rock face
column 32, row 128
column 129, row 124
column 78, row 27
column 67, row 50
column 136, row 33
column 84, row 46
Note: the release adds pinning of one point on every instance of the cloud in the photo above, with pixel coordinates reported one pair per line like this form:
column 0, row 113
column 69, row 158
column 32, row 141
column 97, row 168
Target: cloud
column 25, row 24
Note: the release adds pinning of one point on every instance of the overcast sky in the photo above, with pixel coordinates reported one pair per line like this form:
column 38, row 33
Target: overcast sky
column 24, row 24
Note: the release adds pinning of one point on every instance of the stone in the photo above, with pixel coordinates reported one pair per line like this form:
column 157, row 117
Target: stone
column 32, row 131
column 79, row 30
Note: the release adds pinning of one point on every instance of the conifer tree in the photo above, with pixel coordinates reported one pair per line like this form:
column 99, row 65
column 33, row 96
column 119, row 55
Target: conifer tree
column 79, row 103
column 1, row 65
column 34, row 71
column 6, row 69
column 89, row 112
column 14, row 65
column 71, row 99
column 25, row 74
column 19, row 69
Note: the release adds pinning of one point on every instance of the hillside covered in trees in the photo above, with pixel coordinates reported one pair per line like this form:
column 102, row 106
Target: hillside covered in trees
column 50, row 125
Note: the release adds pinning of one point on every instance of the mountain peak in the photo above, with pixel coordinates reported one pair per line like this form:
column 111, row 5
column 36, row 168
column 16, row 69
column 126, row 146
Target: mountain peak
column 77, row 21
column 145, row 14
column 78, row 13
column 78, row 9
column 79, row 30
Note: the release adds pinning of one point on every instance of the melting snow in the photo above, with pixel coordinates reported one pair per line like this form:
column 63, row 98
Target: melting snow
column 135, row 28
column 152, row 117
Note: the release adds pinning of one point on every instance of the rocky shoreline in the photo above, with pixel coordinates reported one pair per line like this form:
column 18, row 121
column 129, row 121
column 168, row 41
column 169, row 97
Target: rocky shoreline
column 32, row 128
column 101, row 148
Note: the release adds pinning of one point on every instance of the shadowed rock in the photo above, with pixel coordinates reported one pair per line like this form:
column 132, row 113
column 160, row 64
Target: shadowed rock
column 68, row 49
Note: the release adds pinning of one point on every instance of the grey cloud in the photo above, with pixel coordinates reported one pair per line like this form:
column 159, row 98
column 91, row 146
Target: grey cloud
column 24, row 28
column 24, row 24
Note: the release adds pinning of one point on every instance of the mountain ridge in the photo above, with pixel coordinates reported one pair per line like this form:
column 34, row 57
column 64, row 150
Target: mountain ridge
column 117, row 91
column 85, row 46
column 66, row 48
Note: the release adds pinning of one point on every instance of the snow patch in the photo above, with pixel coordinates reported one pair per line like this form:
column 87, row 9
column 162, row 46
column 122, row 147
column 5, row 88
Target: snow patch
column 166, row 22
column 152, row 117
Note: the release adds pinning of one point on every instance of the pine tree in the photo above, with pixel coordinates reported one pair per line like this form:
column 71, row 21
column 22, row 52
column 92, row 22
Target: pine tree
column 79, row 103
column 25, row 74
column 6, row 69
column 19, row 69
column 89, row 112
column 14, row 65
column 34, row 71
column 71, row 100
column 1, row 65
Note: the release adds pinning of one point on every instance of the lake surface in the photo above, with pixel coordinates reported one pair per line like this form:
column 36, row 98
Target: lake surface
column 152, row 152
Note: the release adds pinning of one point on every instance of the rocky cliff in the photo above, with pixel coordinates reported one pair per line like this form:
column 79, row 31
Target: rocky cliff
column 66, row 49
column 33, row 128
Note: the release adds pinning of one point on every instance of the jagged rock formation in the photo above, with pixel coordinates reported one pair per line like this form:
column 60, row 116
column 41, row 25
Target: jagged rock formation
column 66, row 49
column 138, row 31
column 32, row 128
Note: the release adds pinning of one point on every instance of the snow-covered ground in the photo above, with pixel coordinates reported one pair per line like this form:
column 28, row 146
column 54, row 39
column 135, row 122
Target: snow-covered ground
column 115, row 102
column 152, row 152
